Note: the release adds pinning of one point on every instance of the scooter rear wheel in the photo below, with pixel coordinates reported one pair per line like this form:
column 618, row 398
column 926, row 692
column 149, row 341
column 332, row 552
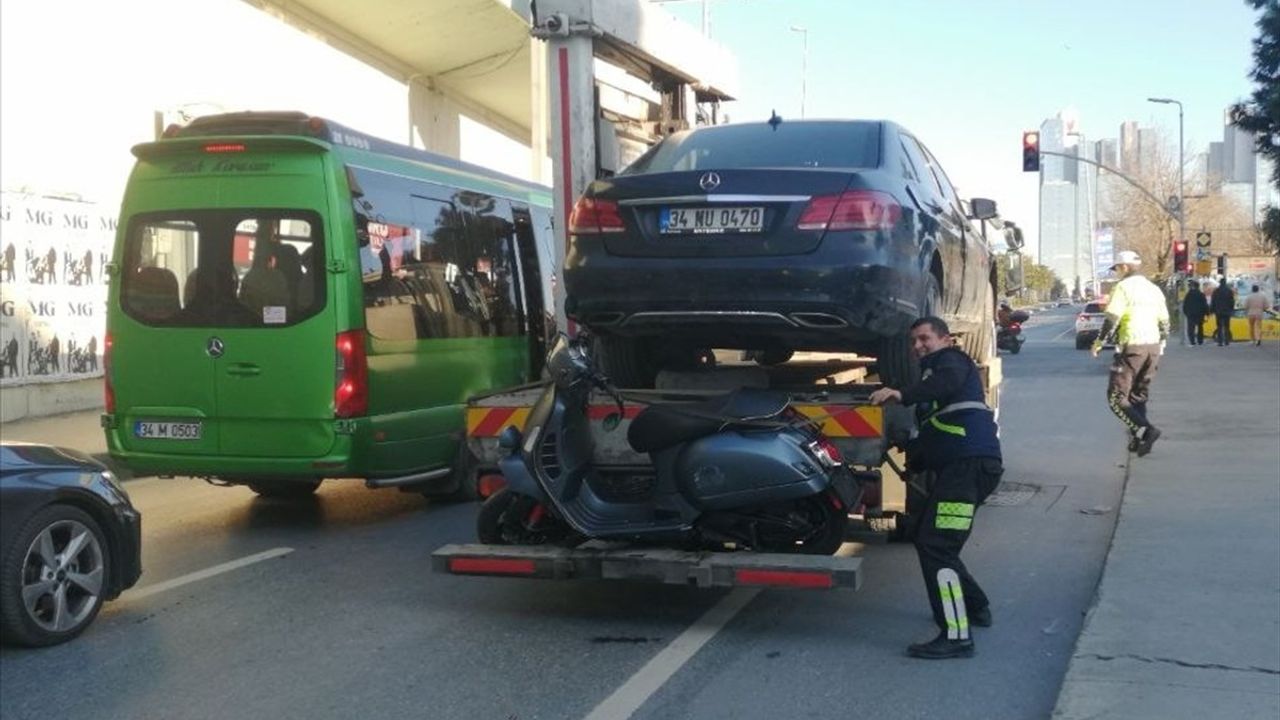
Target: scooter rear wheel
column 825, row 518
column 509, row 518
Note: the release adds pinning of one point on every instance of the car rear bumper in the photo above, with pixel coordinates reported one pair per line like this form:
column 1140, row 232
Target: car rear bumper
column 829, row 297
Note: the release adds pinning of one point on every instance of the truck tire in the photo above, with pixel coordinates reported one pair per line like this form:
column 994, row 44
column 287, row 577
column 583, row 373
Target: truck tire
column 625, row 361
column 980, row 344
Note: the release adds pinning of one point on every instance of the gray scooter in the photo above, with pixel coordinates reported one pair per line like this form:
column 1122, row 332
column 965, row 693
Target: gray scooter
column 737, row 471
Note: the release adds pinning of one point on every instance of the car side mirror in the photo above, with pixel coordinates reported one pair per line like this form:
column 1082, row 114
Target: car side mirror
column 982, row 208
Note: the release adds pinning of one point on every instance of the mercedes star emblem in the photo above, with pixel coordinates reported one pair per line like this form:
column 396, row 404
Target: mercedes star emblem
column 709, row 181
column 214, row 347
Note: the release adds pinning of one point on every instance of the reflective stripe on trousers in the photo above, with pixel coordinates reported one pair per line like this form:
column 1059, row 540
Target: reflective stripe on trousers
column 953, row 604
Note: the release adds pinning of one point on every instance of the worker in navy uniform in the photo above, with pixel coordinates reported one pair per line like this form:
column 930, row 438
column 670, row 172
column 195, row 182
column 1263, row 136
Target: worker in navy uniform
column 957, row 454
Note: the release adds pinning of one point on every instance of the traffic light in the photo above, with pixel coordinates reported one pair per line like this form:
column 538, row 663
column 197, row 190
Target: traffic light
column 1031, row 151
column 1180, row 256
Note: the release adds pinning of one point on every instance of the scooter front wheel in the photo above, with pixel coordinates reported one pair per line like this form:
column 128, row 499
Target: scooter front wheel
column 509, row 518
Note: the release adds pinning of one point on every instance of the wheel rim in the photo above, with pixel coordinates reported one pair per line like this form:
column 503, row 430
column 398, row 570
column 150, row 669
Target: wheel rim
column 62, row 576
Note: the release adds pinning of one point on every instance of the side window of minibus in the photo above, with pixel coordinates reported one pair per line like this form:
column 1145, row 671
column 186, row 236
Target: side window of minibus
column 489, row 260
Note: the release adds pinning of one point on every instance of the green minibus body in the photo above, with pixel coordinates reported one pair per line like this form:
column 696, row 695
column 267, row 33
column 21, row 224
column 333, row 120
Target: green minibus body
column 291, row 300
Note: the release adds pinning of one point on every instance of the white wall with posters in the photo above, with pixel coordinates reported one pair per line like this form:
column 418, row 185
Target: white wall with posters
column 52, row 300
column 68, row 119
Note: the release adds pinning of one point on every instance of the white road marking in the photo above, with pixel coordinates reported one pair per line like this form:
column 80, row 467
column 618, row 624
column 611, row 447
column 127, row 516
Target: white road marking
column 634, row 692
column 149, row 590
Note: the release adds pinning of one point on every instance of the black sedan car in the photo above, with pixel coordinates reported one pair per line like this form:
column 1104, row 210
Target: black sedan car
column 69, row 540
column 774, row 237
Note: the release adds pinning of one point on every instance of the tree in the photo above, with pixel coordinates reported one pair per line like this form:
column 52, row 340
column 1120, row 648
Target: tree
column 1142, row 224
column 1261, row 113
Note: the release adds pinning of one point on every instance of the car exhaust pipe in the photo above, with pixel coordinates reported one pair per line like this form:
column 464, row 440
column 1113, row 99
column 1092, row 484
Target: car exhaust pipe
column 818, row 320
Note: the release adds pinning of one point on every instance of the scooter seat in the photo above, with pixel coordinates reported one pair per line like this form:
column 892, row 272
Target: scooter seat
column 663, row 425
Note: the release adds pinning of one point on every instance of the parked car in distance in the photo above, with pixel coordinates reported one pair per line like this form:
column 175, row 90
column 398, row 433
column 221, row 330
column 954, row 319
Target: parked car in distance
column 1089, row 323
column 775, row 237
column 69, row 541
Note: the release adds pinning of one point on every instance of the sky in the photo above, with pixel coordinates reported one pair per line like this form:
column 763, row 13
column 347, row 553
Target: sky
column 969, row 77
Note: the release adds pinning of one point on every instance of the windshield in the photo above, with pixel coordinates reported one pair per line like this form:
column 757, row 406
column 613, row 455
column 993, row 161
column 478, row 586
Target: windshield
column 238, row 268
column 816, row 144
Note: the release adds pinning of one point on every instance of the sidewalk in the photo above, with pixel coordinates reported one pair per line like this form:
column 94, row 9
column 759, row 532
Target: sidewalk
column 1186, row 622
column 78, row 430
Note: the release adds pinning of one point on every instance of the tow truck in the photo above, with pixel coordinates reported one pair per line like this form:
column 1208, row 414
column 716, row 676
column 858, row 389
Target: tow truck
column 590, row 141
column 831, row 391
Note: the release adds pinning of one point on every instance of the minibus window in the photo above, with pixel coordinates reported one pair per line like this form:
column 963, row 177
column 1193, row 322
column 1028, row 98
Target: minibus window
column 224, row 268
column 439, row 263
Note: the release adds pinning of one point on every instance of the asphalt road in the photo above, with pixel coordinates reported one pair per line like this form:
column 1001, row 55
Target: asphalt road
column 250, row 608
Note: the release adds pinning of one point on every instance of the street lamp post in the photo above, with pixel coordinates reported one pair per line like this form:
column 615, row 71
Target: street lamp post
column 804, row 64
column 1182, row 210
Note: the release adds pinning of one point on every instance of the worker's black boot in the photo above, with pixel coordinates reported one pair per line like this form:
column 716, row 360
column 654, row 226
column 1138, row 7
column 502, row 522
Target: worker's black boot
column 1149, row 438
column 980, row 617
column 941, row 648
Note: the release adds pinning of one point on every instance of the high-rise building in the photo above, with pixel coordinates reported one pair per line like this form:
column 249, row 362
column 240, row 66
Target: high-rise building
column 1217, row 166
column 1238, row 150
column 1129, row 146
column 1053, row 139
column 1108, row 153
column 1068, row 198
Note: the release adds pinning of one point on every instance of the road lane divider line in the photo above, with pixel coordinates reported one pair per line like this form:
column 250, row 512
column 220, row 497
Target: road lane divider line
column 149, row 590
column 647, row 680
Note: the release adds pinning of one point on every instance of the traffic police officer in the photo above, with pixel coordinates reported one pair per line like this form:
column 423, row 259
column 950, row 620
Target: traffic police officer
column 958, row 454
column 1138, row 318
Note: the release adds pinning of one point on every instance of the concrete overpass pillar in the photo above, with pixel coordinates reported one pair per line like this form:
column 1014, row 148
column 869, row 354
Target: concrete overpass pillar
column 434, row 120
column 539, row 119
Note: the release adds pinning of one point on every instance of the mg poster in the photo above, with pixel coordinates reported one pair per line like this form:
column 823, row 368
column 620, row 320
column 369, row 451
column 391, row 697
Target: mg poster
column 52, row 288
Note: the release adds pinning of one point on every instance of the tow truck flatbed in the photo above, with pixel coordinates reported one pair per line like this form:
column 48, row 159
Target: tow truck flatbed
column 597, row 560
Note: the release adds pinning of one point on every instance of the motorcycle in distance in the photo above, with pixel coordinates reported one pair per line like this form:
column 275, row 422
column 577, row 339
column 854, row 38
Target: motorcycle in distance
column 1009, row 334
column 738, row 471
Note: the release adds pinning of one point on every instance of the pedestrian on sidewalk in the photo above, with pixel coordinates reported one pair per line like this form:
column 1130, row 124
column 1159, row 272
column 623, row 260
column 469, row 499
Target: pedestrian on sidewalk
column 1194, row 308
column 1223, row 305
column 1254, row 306
column 958, row 454
column 1138, row 319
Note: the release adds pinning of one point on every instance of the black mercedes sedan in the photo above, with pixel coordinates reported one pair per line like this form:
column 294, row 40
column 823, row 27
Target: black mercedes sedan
column 69, row 540
column 772, row 237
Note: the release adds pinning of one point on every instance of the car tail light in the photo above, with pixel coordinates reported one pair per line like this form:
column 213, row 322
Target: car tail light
column 851, row 210
column 351, row 376
column 108, row 389
column 591, row 216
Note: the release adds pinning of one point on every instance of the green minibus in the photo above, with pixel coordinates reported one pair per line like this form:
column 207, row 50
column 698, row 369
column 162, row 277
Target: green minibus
column 291, row 300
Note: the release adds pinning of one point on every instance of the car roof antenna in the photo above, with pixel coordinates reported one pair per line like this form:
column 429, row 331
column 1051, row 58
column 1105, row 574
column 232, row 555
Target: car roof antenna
column 774, row 120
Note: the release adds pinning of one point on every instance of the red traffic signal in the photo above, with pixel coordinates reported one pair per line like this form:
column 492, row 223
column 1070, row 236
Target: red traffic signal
column 1180, row 260
column 1031, row 151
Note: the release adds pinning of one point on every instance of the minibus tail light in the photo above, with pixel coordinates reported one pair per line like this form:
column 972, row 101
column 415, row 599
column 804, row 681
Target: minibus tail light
column 224, row 147
column 108, row 389
column 351, row 376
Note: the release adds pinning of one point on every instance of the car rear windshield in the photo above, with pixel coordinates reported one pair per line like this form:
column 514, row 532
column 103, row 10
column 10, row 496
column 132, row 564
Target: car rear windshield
column 1095, row 308
column 236, row 268
column 761, row 145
